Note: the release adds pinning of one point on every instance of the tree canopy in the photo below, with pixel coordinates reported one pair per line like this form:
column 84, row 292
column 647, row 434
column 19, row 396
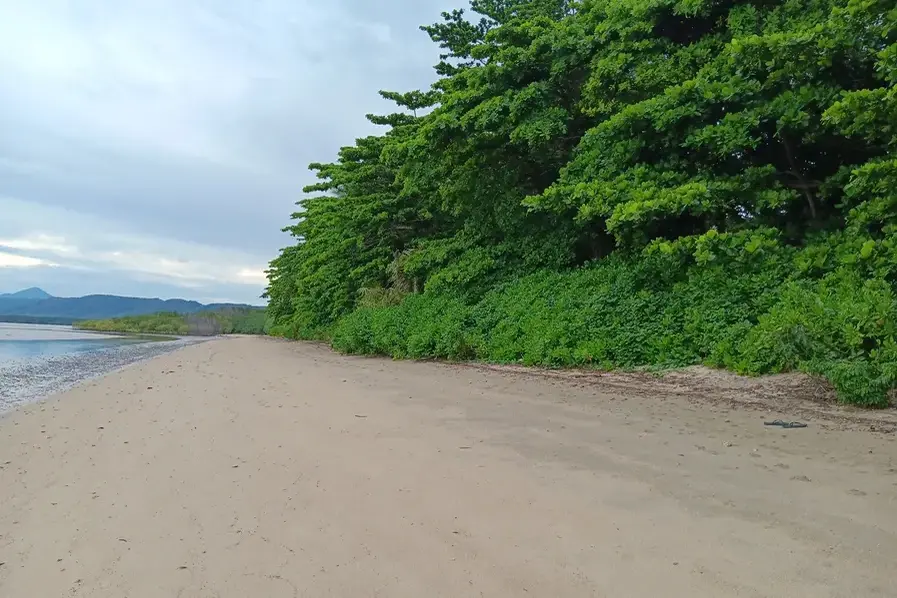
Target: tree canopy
column 621, row 183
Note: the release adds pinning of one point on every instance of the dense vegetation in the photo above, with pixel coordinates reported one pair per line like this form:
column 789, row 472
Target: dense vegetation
column 622, row 183
column 208, row 323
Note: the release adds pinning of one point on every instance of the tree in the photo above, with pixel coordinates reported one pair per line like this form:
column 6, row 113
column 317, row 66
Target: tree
column 751, row 143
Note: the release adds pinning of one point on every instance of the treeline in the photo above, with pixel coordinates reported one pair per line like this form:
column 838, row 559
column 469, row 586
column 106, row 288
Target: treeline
column 621, row 183
column 207, row 323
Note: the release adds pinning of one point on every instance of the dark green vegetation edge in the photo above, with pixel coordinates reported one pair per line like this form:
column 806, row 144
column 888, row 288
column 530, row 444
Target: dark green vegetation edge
column 209, row 323
column 622, row 183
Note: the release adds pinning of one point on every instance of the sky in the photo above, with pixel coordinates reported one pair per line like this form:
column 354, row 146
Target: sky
column 157, row 147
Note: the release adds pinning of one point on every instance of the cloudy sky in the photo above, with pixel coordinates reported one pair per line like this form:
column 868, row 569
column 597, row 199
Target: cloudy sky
column 156, row 147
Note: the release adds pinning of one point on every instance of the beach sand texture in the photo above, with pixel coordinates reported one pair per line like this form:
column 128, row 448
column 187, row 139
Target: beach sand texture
column 249, row 467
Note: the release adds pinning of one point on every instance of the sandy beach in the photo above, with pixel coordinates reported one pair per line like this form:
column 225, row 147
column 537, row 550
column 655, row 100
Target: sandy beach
column 249, row 467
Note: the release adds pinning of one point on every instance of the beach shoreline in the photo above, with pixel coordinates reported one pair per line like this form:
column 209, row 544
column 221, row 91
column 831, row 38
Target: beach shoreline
column 33, row 379
column 257, row 467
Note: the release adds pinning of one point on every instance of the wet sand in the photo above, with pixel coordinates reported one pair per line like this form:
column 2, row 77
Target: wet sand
column 254, row 467
column 26, row 380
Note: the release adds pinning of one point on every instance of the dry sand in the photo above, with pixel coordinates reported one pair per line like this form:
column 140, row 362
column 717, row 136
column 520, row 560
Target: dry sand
column 254, row 468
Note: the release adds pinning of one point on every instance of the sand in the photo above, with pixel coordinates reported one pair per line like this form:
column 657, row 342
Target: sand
column 252, row 467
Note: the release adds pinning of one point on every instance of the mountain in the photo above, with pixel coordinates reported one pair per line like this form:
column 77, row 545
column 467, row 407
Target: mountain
column 35, row 303
column 32, row 293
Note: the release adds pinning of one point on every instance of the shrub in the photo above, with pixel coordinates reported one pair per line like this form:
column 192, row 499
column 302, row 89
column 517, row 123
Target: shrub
column 627, row 314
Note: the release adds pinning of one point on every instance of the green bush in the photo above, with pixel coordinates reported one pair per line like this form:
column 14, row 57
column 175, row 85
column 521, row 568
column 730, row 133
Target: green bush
column 421, row 327
column 619, row 314
column 225, row 321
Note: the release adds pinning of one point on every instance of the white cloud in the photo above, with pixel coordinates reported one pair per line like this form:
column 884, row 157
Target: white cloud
column 12, row 260
column 180, row 77
column 157, row 145
column 53, row 236
column 252, row 276
column 40, row 242
column 204, row 264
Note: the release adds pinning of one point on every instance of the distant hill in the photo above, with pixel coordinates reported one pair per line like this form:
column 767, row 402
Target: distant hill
column 36, row 303
column 32, row 293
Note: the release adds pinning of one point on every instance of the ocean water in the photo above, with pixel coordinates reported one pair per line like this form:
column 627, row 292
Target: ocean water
column 25, row 342
column 37, row 361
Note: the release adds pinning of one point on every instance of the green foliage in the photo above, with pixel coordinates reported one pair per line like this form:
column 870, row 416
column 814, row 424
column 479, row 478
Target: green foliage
column 422, row 326
column 207, row 323
column 168, row 323
column 625, row 314
column 622, row 183
column 240, row 321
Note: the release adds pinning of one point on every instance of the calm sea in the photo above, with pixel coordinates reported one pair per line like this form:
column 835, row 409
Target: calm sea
column 28, row 341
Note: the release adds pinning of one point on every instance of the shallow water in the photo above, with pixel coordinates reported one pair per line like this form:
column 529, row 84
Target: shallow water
column 36, row 361
column 20, row 342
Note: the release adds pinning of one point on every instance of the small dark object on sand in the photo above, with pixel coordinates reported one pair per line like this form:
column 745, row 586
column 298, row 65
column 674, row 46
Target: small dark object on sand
column 785, row 424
